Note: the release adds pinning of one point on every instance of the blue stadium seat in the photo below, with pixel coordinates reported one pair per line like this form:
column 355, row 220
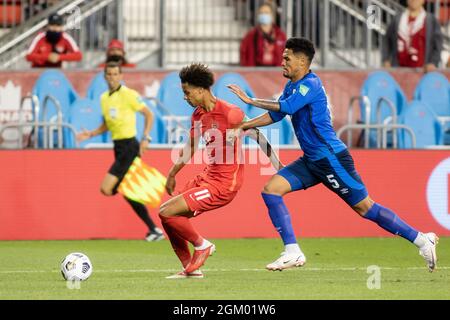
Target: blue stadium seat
column 54, row 83
column 175, row 110
column 171, row 95
column 423, row 121
column 84, row 114
column 434, row 90
column 221, row 91
column 380, row 84
column 97, row 86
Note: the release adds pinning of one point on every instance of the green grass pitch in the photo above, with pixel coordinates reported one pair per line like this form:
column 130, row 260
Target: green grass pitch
column 335, row 269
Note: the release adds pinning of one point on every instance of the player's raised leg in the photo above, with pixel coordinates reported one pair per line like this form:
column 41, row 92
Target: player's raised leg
column 391, row 222
column 273, row 194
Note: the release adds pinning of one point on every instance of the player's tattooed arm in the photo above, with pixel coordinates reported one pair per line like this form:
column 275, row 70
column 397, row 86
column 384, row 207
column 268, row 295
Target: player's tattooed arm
column 259, row 121
column 259, row 103
column 265, row 146
column 250, row 129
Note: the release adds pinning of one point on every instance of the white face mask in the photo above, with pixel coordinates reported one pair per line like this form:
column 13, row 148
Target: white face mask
column 265, row 18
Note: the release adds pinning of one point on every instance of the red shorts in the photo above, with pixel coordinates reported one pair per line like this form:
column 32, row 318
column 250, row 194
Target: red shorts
column 201, row 196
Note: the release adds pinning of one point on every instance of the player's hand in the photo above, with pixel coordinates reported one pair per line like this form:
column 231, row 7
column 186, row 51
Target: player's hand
column 170, row 184
column 53, row 57
column 83, row 135
column 240, row 93
column 143, row 147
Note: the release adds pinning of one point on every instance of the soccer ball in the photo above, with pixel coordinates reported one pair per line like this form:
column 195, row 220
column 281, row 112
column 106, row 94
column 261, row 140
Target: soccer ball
column 76, row 267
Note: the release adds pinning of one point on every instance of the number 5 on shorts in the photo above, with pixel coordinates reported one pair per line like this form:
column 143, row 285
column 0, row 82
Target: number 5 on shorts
column 333, row 181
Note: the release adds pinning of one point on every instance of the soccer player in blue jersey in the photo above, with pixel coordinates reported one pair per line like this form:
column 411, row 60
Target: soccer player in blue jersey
column 326, row 159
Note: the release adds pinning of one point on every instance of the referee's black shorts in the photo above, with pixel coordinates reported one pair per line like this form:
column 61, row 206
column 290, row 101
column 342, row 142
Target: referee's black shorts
column 125, row 150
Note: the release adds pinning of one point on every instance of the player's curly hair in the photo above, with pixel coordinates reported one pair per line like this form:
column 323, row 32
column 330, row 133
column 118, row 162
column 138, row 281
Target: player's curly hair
column 198, row 75
column 301, row 45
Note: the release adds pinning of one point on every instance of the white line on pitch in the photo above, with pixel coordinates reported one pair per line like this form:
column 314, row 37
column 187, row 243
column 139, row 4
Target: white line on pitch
column 224, row 270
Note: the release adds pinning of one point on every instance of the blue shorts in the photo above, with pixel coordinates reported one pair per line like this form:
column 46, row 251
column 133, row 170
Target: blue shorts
column 337, row 172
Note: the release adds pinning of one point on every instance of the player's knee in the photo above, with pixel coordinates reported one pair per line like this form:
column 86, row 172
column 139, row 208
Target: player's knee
column 272, row 189
column 363, row 206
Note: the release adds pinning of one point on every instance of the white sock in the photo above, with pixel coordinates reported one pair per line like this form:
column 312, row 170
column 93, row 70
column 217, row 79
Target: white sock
column 204, row 245
column 420, row 240
column 292, row 248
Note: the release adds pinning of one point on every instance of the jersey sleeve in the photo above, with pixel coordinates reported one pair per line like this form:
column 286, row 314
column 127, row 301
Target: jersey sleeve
column 33, row 54
column 136, row 102
column 235, row 116
column 72, row 53
column 276, row 116
column 303, row 96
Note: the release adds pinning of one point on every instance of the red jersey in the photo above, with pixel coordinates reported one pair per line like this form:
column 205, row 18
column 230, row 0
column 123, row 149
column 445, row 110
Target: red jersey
column 257, row 50
column 40, row 49
column 411, row 47
column 225, row 168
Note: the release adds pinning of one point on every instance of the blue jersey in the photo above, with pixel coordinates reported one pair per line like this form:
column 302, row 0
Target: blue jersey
column 306, row 102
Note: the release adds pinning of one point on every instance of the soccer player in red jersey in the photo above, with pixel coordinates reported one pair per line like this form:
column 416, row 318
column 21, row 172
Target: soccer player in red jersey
column 214, row 120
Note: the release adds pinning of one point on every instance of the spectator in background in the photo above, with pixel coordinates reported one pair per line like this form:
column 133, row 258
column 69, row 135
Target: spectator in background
column 413, row 39
column 116, row 53
column 50, row 48
column 263, row 45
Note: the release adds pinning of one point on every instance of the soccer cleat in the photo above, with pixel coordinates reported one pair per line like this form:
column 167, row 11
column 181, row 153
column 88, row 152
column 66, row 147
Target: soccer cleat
column 199, row 258
column 197, row 274
column 428, row 251
column 286, row 261
column 155, row 235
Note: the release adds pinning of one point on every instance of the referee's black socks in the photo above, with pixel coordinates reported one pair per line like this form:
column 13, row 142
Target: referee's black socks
column 142, row 212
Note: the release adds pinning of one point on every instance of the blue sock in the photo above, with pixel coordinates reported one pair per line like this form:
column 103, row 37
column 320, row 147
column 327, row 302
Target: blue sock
column 389, row 221
column 280, row 217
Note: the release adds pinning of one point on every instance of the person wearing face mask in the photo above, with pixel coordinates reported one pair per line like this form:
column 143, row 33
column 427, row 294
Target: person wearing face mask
column 50, row 48
column 263, row 45
column 116, row 53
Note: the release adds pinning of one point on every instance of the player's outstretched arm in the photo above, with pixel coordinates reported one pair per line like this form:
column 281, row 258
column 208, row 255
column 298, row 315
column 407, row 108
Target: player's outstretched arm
column 259, row 103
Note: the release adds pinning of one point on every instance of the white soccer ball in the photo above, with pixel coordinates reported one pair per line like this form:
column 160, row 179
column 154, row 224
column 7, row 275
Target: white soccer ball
column 76, row 267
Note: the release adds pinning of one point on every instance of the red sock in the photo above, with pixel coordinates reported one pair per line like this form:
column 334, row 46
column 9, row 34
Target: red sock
column 179, row 245
column 184, row 228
